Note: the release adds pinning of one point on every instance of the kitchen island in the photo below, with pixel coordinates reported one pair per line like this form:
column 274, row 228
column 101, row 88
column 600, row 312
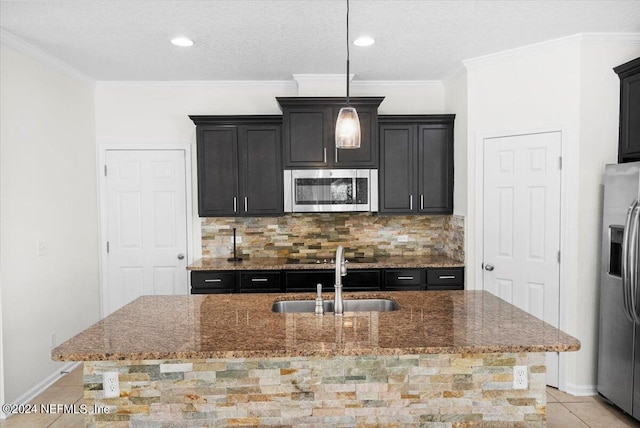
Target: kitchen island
column 443, row 359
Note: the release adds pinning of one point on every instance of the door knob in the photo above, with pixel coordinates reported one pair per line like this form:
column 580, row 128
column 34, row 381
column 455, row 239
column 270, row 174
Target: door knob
column 488, row 267
column 180, row 256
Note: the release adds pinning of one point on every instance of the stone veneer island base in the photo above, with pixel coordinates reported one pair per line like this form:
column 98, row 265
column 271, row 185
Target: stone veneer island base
column 445, row 359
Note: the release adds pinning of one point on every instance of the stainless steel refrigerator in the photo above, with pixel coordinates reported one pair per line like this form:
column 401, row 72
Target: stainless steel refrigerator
column 619, row 335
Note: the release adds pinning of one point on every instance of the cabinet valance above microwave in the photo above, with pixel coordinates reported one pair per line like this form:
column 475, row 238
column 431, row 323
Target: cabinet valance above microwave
column 308, row 128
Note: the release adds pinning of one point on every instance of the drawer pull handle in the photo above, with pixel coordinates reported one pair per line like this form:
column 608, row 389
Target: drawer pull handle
column 259, row 280
column 213, row 280
column 405, row 277
column 447, row 277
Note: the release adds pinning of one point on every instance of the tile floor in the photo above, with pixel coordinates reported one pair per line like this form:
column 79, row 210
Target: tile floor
column 67, row 390
column 563, row 410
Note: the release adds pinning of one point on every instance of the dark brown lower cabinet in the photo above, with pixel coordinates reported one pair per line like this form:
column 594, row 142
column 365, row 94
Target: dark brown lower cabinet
column 212, row 282
column 404, row 279
column 259, row 282
column 305, row 281
column 430, row 279
column 299, row 281
column 445, row 279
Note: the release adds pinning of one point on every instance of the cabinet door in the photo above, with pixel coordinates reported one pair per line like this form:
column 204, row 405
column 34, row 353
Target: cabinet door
column 397, row 169
column 217, row 170
column 367, row 155
column 629, row 145
column 261, row 170
column 435, row 169
column 306, row 130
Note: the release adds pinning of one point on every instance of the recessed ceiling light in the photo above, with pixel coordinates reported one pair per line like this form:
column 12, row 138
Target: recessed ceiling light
column 182, row 41
column 364, row 41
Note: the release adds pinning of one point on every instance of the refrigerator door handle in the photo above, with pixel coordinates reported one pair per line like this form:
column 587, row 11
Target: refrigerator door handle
column 626, row 286
column 633, row 264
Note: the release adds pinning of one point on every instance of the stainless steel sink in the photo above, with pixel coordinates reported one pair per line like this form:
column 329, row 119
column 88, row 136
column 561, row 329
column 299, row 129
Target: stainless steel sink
column 350, row 305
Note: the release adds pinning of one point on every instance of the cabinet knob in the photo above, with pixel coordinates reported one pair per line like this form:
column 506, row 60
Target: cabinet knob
column 489, row 267
column 180, row 256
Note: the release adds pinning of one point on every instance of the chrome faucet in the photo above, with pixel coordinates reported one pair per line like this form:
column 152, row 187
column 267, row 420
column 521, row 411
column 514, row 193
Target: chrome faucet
column 341, row 270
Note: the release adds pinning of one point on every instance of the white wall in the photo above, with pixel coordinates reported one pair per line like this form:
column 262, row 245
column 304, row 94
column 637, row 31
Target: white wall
column 47, row 192
column 565, row 85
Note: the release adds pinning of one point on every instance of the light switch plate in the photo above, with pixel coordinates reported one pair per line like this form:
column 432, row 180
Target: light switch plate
column 42, row 247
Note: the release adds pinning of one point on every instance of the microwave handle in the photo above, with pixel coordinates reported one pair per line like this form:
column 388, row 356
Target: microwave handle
column 324, row 151
column 335, row 159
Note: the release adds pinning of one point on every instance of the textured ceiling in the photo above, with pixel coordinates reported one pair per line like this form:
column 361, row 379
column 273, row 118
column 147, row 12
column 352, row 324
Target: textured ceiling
column 271, row 40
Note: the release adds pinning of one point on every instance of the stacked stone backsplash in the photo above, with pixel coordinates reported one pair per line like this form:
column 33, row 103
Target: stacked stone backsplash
column 318, row 235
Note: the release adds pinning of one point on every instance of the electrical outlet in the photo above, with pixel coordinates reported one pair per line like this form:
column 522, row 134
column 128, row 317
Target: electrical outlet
column 520, row 378
column 403, row 238
column 52, row 339
column 110, row 385
column 238, row 239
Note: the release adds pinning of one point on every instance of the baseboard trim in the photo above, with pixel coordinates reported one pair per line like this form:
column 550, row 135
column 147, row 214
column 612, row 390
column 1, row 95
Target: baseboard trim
column 42, row 386
column 581, row 390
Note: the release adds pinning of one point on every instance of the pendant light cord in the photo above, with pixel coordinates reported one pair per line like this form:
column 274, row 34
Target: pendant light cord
column 347, row 53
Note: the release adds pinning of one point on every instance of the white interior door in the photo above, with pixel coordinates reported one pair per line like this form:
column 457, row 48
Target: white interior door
column 146, row 225
column 521, row 215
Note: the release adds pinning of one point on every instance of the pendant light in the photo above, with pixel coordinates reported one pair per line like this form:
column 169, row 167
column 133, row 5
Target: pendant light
column 348, row 123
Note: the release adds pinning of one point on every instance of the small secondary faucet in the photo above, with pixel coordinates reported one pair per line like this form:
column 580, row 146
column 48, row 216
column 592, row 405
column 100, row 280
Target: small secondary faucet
column 319, row 303
column 341, row 270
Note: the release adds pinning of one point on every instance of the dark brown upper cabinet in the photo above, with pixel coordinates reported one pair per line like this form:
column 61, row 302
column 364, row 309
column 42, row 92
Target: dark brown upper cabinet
column 239, row 165
column 416, row 164
column 309, row 132
column 629, row 141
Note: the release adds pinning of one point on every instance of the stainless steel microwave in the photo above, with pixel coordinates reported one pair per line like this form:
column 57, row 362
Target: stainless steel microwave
column 330, row 190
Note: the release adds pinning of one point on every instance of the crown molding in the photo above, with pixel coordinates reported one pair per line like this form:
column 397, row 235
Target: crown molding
column 396, row 83
column 266, row 83
column 575, row 39
column 321, row 77
column 35, row 53
column 194, row 83
column 620, row 38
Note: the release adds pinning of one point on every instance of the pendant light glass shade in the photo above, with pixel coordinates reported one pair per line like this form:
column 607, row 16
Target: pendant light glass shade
column 348, row 123
column 348, row 129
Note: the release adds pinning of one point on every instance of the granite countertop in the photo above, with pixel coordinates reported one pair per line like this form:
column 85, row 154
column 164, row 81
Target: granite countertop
column 243, row 326
column 281, row 263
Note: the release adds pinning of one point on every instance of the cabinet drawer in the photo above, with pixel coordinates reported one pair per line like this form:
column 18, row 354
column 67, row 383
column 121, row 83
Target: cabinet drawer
column 399, row 279
column 211, row 290
column 222, row 281
column 259, row 282
column 306, row 280
column 361, row 280
column 445, row 277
